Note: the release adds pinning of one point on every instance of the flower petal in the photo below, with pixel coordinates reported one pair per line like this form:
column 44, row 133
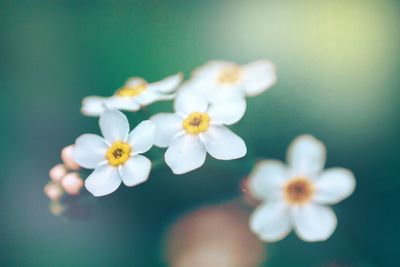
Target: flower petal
column 267, row 179
column 227, row 111
column 306, row 156
column 136, row 170
column 150, row 96
column 114, row 125
column 259, row 76
column 211, row 69
column 314, row 222
column 168, row 84
column 123, row 103
column 103, row 181
column 142, row 137
column 89, row 151
column 334, row 185
column 167, row 126
column 187, row 102
column 185, row 154
column 93, row 105
column 223, row 144
column 271, row 221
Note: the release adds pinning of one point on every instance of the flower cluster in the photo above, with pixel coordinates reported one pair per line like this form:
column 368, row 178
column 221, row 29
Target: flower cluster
column 64, row 179
column 204, row 107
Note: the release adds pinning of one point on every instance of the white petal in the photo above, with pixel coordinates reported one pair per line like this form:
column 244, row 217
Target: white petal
column 133, row 81
column 227, row 111
column 334, row 185
column 89, row 150
column 142, row 137
column 93, row 105
column 123, row 103
column 185, row 154
column 167, row 126
column 223, row 144
column 271, row 221
column 314, row 222
column 306, row 156
column 168, row 84
column 114, row 125
column 150, row 96
column 259, row 76
column 211, row 69
column 103, row 181
column 187, row 102
column 267, row 179
column 136, row 170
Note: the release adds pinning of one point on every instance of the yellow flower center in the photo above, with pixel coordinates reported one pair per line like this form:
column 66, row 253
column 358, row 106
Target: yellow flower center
column 131, row 90
column 196, row 122
column 230, row 74
column 118, row 153
column 298, row 190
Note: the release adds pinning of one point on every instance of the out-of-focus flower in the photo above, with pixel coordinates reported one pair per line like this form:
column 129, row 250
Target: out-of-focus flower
column 135, row 94
column 58, row 172
column 116, row 157
column 197, row 128
column 295, row 196
column 56, row 208
column 72, row 183
column 220, row 78
column 66, row 156
column 216, row 236
column 53, row 191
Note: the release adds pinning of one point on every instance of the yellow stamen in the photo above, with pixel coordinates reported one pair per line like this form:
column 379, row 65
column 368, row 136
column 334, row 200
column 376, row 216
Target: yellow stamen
column 299, row 190
column 118, row 153
column 196, row 123
column 230, row 74
column 131, row 90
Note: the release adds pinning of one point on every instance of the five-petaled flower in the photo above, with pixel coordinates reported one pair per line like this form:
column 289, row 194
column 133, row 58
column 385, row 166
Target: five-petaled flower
column 116, row 157
column 135, row 94
column 197, row 128
column 295, row 196
column 220, row 78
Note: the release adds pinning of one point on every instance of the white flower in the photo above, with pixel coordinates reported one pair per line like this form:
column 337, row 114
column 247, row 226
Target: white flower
column 197, row 128
column 295, row 196
column 220, row 78
column 116, row 157
column 135, row 94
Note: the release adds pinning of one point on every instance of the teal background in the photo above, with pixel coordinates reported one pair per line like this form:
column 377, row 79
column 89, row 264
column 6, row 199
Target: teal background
column 337, row 65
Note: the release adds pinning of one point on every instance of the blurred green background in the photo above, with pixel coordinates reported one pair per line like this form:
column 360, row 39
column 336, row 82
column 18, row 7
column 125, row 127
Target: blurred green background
column 338, row 78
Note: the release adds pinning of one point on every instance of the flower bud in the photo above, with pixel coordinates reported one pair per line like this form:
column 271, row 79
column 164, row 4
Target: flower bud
column 66, row 156
column 57, row 173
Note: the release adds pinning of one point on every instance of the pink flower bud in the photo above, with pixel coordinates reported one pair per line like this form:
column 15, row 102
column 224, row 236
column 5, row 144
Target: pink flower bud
column 53, row 191
column 66, row 156
column 57, row 173
column 72, row 183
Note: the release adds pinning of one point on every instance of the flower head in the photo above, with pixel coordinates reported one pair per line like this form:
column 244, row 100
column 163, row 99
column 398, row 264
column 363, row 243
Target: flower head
column 135, row 94
column 197, row 128
column 72, row 183
column 295, row 196
column 217, row 79
column 116, row 157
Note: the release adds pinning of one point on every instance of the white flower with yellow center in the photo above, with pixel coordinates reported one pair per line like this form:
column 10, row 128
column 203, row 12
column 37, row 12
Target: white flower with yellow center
column 135, row 94
column 116, row 157
column 220, row 78
column 197, row 128
column 295, row 196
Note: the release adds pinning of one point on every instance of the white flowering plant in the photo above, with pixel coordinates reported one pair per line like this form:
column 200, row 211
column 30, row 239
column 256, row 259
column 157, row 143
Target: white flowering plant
column 293, row 196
